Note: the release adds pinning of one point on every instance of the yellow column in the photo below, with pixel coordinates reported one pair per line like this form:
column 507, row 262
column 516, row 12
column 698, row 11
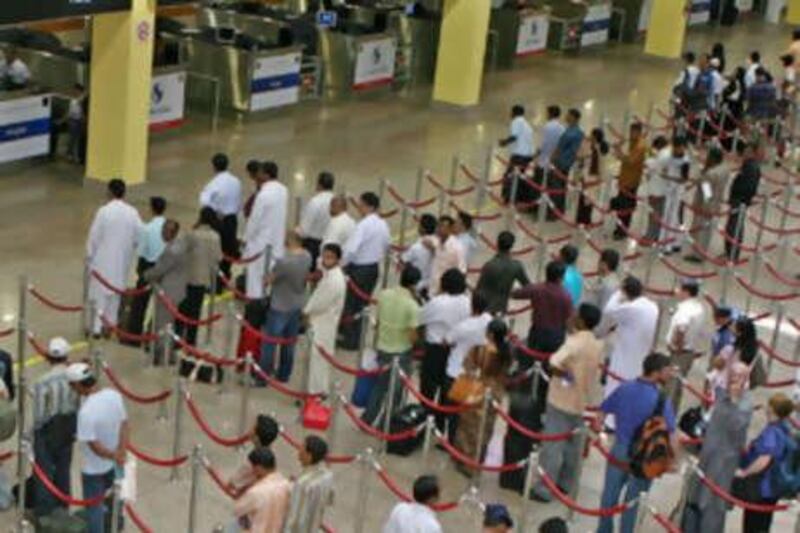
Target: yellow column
column 667, row 28
column 120, row 87
column 793, row 12
column 462, row 47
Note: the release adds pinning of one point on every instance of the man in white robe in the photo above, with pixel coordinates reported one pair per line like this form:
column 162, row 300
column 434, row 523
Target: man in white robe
column 110, row 250
column 322, row 313
column 633, row 319
column 265, row 227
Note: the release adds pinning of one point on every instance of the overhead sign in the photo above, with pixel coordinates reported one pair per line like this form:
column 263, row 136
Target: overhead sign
column 532, row 35
column 375, row 63
column 596, row 24
column 25, row 128
column 168, row 101
column 276, row 81
column 327, row 19
column 27, row 10
column 700, row 12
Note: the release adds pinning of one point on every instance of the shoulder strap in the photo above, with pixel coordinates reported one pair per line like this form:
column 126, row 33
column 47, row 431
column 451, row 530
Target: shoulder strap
column 660, row 404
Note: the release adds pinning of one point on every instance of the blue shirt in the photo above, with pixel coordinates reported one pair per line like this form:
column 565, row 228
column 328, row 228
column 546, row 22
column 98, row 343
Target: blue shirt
column 632, row 403
column 567, row 149
column 722, row 337
column 152, row 243
column 573, row 283
column 772, row 441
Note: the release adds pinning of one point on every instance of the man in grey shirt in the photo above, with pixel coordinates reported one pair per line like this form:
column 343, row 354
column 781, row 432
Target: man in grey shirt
column 288, row 281
column 606, row 283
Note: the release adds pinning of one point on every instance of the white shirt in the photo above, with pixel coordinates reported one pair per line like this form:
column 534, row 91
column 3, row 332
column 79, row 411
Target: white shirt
column 265, row 227
column 419, row 256
column 551, row 133
column 750, row 75
column 223, row 194
column 691, row 318
column 693, row 71
column 442, row 313
column 316, row 216
column 672, row 167
column 113, row 239
column 718, row 84
column 339, row 230
column 469, row 244
column 75, row 111
column 522, row 132
column 464, row 337
column 449, row 255
column 100, row 420
column 18, row 72
column 369, row 243
column 413, row 517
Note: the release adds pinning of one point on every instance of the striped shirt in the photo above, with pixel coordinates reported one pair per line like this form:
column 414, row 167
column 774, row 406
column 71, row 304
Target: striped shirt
column 312, row 493
column 52, row 395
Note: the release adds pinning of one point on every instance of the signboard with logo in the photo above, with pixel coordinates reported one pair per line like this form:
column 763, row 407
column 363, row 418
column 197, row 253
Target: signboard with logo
column 276, row 81
column 700, row 12
column 375, row 63
column 596, row 24
column 532, row 36
column 644, row 15
column 327, row 19
column 26, row 10
column 168, row 101
column 25, row 128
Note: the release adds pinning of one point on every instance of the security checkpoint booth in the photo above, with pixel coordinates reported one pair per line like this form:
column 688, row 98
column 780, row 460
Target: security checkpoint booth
column 574, row 26
column 517, row 31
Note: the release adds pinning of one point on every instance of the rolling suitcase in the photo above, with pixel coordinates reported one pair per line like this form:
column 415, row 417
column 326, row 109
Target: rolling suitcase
column 516, row 446
column 408, row 417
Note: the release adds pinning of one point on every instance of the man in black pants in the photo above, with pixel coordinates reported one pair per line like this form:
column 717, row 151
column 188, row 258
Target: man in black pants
column 743, row 189
column 223, row 194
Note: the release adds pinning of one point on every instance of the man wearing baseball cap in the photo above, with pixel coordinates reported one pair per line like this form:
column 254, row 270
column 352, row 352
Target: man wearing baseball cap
column 103, row 437
column 55, row 407
column 497, row 519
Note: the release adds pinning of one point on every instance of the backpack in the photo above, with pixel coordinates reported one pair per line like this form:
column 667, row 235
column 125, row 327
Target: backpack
column 651, row 453
column 784, row 476
column 695, row 96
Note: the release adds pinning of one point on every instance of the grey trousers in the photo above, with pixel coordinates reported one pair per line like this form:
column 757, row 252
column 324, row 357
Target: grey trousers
column 559, row 459
column 684, row 361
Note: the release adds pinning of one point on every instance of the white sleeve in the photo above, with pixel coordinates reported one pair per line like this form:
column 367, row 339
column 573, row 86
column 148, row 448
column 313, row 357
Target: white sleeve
column 353, row 244
column 95, row 234
column 207, row 195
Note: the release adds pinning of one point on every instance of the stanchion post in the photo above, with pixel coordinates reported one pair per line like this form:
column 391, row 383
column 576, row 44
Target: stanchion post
column 153, row 351
column 582, row 435
column 686, row 473
column 180, row 398
column 194, row 489
column 244, row 405
column 337, row 403
column 387, row 266
column 430, row 427
column 776, row 332
column 536, row 378
column 91, row 342
column 530, row 475
column 298, row 210
column 86, row 329
column 487, row 404
column 418, row 184
column 650, row 111
column 116, row 505
column 480, row 197
column 541, row 213
column 390, row 400
column 652, row 254
column 211, row 308
column 364, row 318
column 169, row 345
column 229, row 350
column 367, row 464
column 755, row 262
column 785, row 243
column 22, row 334
column 381, row 190
column 403, row 223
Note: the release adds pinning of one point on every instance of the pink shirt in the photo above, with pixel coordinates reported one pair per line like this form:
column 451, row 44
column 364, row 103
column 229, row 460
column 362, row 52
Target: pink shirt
column 265, row 504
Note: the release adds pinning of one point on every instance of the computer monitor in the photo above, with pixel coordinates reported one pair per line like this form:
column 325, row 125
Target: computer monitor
column 225, row 35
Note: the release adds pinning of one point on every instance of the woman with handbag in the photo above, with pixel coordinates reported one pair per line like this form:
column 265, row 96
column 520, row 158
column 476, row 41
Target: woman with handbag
column 485, row 371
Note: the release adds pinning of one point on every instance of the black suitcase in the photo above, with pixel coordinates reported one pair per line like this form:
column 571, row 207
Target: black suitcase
column 408, row 417
column 516, row 446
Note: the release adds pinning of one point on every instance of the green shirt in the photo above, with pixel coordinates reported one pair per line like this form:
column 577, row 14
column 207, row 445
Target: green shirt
column 398, row 313
column 497, row 279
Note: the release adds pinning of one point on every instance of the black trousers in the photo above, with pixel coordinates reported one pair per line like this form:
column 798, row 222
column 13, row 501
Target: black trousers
column 624, row 204
column 191, row 306
column 755, row 522
column 524, row 192
column 558, row 189
column 139, row 302
column 228, row 228
column 313, row 247
column 433, row 376
column 736, row 234
column 366, row 278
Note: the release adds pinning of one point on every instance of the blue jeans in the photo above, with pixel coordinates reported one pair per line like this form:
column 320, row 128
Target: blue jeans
column 615, row 481
column 94, row 485
column 56, row 465
column 280, row 324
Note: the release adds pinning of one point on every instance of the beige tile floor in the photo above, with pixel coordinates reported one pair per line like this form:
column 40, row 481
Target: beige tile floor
column 45, row 215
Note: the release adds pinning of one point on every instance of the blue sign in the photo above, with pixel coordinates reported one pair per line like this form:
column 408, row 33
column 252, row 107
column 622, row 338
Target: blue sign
column 327, row 19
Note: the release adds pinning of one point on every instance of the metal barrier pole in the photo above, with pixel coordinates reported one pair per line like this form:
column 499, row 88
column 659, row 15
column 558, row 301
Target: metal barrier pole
column 726, row 281
column 86, row 329
column 582, row 436
column 194, row 488
column 180, row 398
column 785, row 243
column 757, row 259
column 337, row 401
column 367, row 464
column 244, row 404
column 298, row 210
column 776, row 332
column 169, row 345
column 686, row 474
column 211, row 308
column 229, row 350
column 740, row 216
column 650, row 111
column 541, row 213
column 116, row 505
column 387, row 267
column 90, row 340
column 390, row 400
column 153, row 351
column 535, row 379
column 418, row 184
column 22, row 338
column 652, row 254
column 403, row 222
column 381, row 190
column 430, row 427
column 526, row 508
column 487, row 404
column 511, row 211
column 267, row 259
column 305, row 366
column 485, row 179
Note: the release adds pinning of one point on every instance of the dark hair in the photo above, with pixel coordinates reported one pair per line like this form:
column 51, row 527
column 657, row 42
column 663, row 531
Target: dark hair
column 334, row 249
column 755, row 56
column 787, row 60
column 679, row 140
column 253, row 166
column 610, row 258
column 761, row 71
column 632, row 287
column 427, row 223
column 690, row 286
column 117, row 188
column 466, row 219
column 410, row 276
column 746, row 342
column 718, row 50
column 426, row 489
column 555, row 524
column 262, row 457
column 371, row 199
column 325, row 180
column 600, row 138
column 267, row 430
column 568, row 254
column 453, row 282
column 553, row 111
column 447, row 219
column 660, row 142
column 723, row 312
column 497, row 330
column 316, row 448
column 208, row 217
column 89, row 382
column 574, row 113
column 796, row 34
column 505, row 241
column 590, row 315
column 158, row 205
column 554, row 272
column 220, row 162
column 715, row 155
column 517, row 110
column 479, row 303
column 637, row 126
column 270, row 168
column 655, row 362
column 689, row 57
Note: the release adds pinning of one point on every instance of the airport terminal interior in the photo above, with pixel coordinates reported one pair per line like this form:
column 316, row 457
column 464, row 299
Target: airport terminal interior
column 354, row 89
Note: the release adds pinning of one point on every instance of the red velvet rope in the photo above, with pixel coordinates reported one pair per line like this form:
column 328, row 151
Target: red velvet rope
column 545, row 437
column 514, row 253
column 155, row 461
column 6, row 456
column 397, row 491
column 349, row 370
column 762, row 294
column 599, row 250
column 413, row 205
column 37, row 347
column 55, row 491
column 729, row 498
column 450, row 192
column 575, row 506
column 122, row 292
column 228, row 442
column 456, row 454
column 664, row 522
column 138, row 398
column 686, row 273
column 475, row 216
column 371, row 431
column 550, row 240
column 616, row 463
column 242, row 260
column 359, row 292
column 772, row 354
column 519, row 310
column 330, row 459
column 771, row 229
column 176, row 313
column 444, row 409
column 264, row 338
column 6, row 332
column 204, row 356
column 239, row 295
column 137, row 520
column 793, row 283
column 530, row 352
column 787, row 211
column 216, row 477
column 53, row 304
column 749, row 249
column 280, row 387
column 125, row 335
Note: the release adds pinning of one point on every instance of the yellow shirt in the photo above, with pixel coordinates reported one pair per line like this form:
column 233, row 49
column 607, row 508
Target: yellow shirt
column 580, row 357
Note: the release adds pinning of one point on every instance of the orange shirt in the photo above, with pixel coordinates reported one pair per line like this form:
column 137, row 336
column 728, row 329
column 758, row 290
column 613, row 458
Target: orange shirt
column 632, row 166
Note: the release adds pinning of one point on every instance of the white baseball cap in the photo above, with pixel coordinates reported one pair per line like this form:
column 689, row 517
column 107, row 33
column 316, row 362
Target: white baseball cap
column 58, row 348
column 78, row 372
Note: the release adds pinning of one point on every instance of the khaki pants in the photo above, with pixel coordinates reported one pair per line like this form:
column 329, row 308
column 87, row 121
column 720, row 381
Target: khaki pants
column 684, row 361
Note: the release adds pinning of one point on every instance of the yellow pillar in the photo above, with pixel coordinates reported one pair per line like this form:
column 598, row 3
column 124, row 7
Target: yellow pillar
column 667, row 28
column 793, row 12
column 120, row 88
column 462, row 47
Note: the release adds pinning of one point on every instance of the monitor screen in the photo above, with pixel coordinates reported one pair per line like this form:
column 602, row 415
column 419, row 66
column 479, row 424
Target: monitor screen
column 226, row 35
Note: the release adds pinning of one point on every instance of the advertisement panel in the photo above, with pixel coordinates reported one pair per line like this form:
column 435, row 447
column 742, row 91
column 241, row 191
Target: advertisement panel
column 168, row 101
column 25, row 127
column 276, row 82
column 596, row 24
column 375, row 63
column 532, row 36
